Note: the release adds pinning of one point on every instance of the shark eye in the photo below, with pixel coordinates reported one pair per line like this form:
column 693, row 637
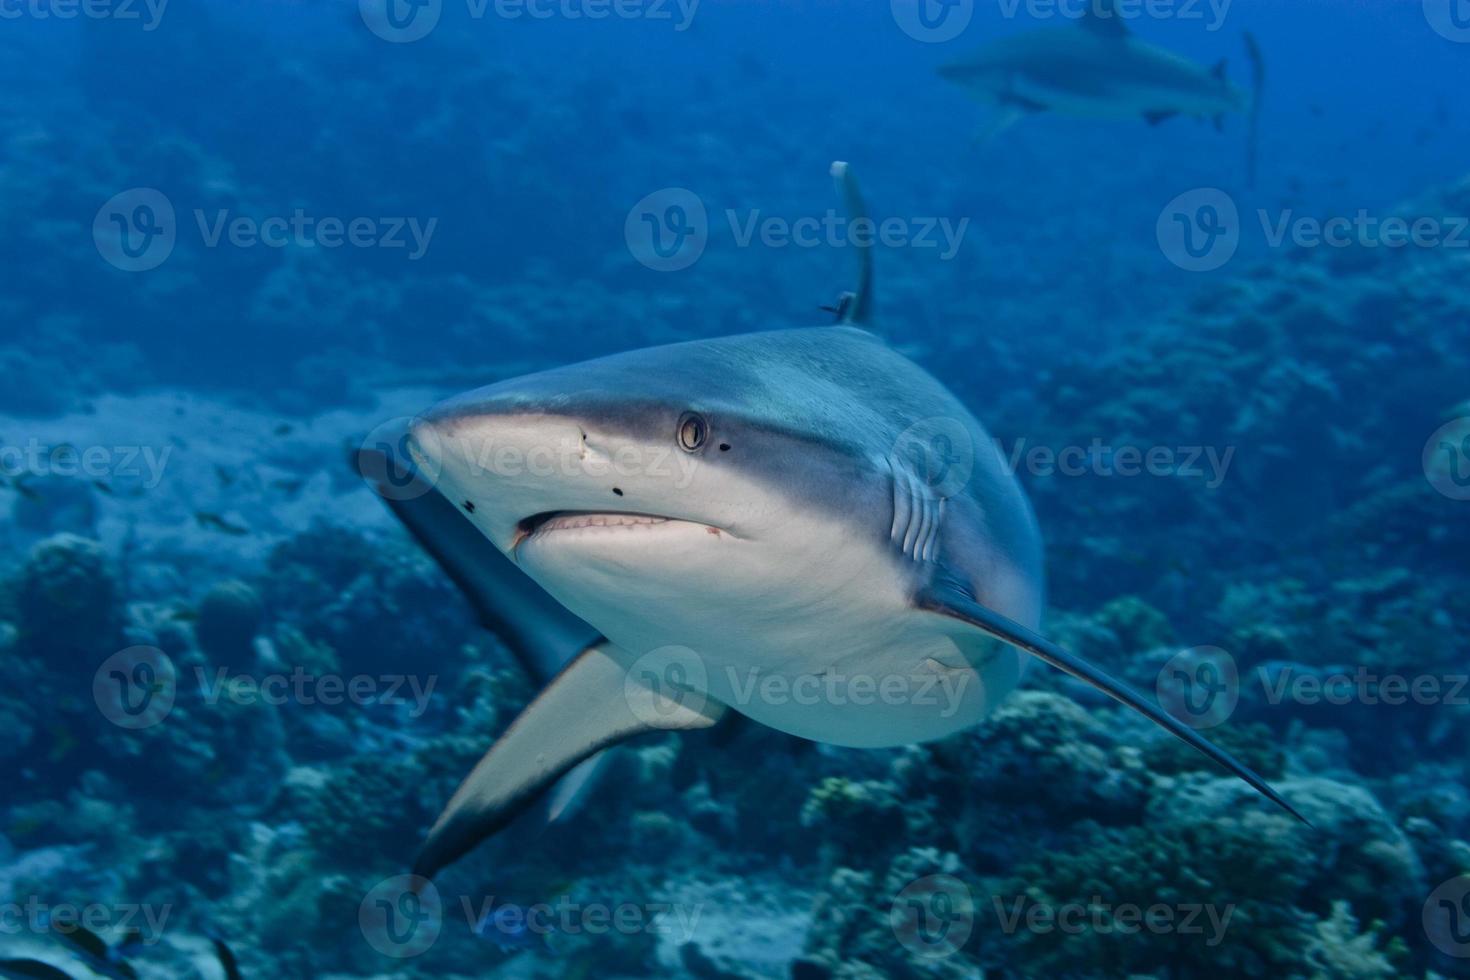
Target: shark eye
column 693, row 431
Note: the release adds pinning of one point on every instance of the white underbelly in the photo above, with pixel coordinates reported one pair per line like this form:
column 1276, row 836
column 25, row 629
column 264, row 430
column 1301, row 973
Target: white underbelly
column 834, row 652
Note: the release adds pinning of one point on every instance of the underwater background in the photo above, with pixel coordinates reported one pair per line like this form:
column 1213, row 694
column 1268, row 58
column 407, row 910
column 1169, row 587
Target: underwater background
column 241, row 235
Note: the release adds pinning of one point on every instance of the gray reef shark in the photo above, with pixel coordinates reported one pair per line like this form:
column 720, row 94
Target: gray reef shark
column 1098, row 69
column 801, row 526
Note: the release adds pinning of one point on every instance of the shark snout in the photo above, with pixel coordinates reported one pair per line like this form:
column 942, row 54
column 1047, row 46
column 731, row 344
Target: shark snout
column 507, row 465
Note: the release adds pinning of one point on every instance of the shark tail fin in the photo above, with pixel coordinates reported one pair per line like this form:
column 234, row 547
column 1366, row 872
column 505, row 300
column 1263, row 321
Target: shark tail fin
column 1258, row 86
column 953, row 600
column 855, row 308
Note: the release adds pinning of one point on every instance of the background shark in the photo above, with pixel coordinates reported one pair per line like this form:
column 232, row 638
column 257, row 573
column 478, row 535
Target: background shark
column 728, row 518
column 1098, row 69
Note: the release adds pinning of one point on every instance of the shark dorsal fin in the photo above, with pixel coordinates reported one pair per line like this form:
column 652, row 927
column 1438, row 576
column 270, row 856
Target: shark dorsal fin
column 1102, row 19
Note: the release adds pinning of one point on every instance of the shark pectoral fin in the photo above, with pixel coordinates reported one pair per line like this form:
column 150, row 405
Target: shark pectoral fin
column 1002, row 121
column 1154, row 118
column 950, row 599
column 569, row 794
column 593, row 704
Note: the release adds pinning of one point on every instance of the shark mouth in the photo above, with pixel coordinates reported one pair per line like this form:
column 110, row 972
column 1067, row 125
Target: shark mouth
column 552, row 521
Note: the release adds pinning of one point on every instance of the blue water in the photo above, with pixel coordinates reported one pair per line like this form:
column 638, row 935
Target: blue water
column 501, row 170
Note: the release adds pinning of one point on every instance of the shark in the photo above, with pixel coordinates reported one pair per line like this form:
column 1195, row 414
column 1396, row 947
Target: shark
column 799, row 526
column 1098, row 68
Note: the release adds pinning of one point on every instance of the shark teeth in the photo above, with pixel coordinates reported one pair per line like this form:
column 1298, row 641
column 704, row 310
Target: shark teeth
column 571, row 521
